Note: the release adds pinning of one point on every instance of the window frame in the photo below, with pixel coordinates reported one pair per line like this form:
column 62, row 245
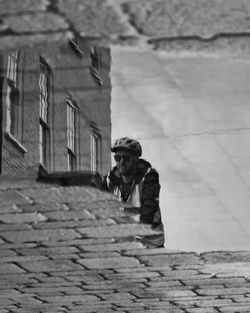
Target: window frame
column 95, row 142
column 71, row 133
column 45, row 91
column 13, row 107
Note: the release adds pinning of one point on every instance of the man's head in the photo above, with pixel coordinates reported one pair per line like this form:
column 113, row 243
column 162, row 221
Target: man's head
column 127, row 151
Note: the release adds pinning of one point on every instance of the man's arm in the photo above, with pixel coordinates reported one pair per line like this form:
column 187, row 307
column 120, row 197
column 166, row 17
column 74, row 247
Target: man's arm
column 150, row 210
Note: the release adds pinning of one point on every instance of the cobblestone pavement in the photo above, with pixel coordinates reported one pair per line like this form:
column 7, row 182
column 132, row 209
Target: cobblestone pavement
column 172, row 25
column 70, row 249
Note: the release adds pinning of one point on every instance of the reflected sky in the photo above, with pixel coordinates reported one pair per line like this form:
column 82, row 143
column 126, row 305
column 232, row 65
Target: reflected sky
column 192, row 117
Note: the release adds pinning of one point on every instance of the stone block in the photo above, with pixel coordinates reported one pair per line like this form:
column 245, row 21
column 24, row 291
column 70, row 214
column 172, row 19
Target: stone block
column 192, row 18
column 22, row 218
column 117, row 230
column 69, row 215
column 10, row 269
column 226, row 256
column 40, row 235
column 36, row 23
column 12, row 197
column 93, row 17
column 106, row 263
column 170, row 259
column 65, row 299
column 51, row 266
column 11, row 7
column 113, row 247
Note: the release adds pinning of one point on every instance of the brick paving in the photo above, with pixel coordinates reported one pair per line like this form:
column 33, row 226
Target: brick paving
column 60, row 252
column 183, row 25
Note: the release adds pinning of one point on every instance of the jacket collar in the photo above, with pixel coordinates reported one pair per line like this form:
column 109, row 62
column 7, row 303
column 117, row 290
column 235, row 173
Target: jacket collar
column 141, row 169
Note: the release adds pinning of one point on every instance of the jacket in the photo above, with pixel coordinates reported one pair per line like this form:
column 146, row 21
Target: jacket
column 144, row 193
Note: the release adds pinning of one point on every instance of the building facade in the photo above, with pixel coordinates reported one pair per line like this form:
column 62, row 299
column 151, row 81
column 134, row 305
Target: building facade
column 55, row 109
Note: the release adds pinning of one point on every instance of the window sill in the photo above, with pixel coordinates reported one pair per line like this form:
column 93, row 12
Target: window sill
column 15, row 142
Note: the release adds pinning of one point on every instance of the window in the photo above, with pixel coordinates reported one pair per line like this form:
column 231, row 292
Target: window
column 12, row 97
column 95, row 148
column 93, row 152
column 95, row 66
column 44, row 130
column 71, row 134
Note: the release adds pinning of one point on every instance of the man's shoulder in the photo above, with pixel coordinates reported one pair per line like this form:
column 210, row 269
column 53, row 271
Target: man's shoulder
column 146, row 168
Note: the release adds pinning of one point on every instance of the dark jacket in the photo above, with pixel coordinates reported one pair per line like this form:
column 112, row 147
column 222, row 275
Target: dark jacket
column 147, row 180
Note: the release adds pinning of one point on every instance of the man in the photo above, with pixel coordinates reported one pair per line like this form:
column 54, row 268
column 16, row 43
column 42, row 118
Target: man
column 136, row 184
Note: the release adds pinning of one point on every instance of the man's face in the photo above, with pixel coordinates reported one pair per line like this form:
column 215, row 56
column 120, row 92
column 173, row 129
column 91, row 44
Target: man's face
column 125, row 161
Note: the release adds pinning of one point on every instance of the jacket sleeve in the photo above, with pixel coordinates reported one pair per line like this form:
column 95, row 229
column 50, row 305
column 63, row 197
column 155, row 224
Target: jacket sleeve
column 104, row 185
column 150, row 210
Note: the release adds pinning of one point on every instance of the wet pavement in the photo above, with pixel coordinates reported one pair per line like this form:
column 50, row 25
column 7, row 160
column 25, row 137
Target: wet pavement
column 71, row 249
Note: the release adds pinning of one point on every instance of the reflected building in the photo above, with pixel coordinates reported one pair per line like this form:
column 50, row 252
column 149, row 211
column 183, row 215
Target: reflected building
column 55, row 109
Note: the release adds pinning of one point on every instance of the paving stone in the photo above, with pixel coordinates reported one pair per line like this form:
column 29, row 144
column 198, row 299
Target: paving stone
column 117, row 231
column 118, row 297
column 40, row 235
column 131, row 275
column 114, row 246
column 8, row 293
column 142, row 269
column 213, row 281
column 166, row 293
column 11, row 7
column 226, row 256
column 108, row 212
column 9, row 209
column 71, row 257
column 75, row 224
column 12, row 197
column 109, row 263
column 69, row 215
column 237, row 268
column 158, row 251
column 22, row 218
column 236, row 308
column 17, row 279
column 48, row 251
column 6, row 253
column 17, row 246
column 71, row 299
column 201, row 310
column 165, row 284
column 170, row 259
column 182, row 18
column 16, row 259
column 53, row 290
column 6, row 304
column 10, row 269
column 51, row 266
column 241, row 299
column 13, row 41
column 224, row 291
column 67, row 195
column 88, row 255
column 79, row 242
column 41, row 208
column 26, row 299
column 32, row 23
column 96, row 17
column 203, row 302
column 15, row 227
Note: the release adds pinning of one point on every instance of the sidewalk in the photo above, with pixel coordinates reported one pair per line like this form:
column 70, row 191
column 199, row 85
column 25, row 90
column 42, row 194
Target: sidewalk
column 70, row 249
